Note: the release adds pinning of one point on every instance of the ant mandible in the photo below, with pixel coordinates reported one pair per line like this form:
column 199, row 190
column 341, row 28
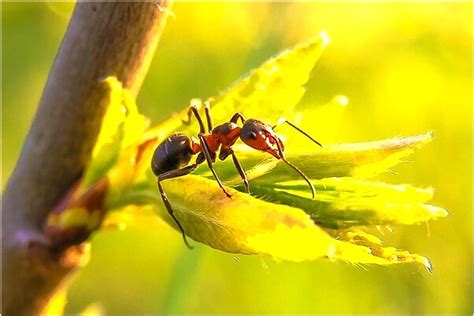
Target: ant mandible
column 171, row 158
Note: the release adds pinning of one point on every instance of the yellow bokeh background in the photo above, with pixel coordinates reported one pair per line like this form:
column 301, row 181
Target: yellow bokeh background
column 406, row 69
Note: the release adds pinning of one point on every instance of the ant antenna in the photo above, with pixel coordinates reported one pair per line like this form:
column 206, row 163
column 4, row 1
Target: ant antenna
column 280, row 152
column 284, row 120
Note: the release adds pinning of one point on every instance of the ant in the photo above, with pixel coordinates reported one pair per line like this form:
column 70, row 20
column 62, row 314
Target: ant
column 171, row 158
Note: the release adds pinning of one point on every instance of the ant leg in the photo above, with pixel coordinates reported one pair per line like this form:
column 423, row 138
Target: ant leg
column 311, row 186
column 241, row 172
column 207, row 155
column 225, row 152
column 284, row 120
column 169, row 175
column 207, row 110
column 193, row 109
column 236, row 117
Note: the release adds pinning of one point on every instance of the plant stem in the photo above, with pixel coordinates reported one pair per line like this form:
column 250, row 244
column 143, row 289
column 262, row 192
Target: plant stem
column 102, row 39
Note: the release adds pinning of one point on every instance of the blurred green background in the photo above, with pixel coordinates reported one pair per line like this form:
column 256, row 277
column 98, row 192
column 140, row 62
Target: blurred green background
column 406, row 68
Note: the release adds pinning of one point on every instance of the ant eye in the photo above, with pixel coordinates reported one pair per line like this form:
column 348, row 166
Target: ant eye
column 252, row 135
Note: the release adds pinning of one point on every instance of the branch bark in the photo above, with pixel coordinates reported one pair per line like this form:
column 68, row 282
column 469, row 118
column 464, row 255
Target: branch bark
column 102, row 39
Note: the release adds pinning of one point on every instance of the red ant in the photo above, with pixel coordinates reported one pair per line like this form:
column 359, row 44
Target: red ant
column 172, row 156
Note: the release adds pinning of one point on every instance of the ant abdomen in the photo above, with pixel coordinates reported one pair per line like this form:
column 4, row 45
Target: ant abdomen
column 173, row 153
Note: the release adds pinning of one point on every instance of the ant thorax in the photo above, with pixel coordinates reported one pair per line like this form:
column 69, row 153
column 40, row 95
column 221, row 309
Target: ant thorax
column 225, row 134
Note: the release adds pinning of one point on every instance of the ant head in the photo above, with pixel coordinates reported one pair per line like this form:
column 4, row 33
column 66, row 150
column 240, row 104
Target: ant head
column 261, row 136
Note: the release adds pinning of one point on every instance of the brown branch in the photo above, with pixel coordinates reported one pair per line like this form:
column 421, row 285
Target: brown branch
column 102, row 39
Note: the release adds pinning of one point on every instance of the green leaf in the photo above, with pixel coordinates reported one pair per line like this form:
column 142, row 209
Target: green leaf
column 121, row 133
column 277, row 84
column 347, row 202
column 361, row 160
column 359, row 247
column 108, row 145
column 246, row 225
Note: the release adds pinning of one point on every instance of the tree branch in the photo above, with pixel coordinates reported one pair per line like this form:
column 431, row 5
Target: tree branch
column 102, row 39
